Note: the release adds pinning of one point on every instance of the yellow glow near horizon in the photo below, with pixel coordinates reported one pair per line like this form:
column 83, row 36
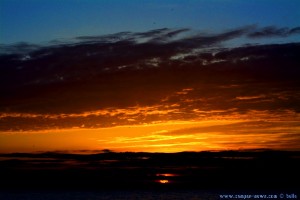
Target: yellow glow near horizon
column 172, row 136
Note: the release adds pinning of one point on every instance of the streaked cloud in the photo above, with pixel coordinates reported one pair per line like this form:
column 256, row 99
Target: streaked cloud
column 250, row 97
column 272, row 31
column 154, row 78
column 246, row 127
column 230, row 135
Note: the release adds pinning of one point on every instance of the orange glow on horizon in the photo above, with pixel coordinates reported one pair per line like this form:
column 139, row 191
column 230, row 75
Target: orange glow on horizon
column 172, row 136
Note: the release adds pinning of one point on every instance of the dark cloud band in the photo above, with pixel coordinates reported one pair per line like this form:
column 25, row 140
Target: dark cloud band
column 164, row 69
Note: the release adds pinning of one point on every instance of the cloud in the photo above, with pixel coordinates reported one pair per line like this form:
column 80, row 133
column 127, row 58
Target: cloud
column 250, row 97
column 157, row 35
column 165, row 37
column 105, row 39
column 295, row 30
column 272, row 31
column 18, row 48
column 153, row 33
column 107, row 80
column 226, row 134
column 245, row 128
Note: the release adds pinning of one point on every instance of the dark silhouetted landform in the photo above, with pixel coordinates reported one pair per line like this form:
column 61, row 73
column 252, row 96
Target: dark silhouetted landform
column 238, row 170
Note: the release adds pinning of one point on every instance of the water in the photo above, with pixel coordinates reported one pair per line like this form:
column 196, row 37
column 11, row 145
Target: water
column 107, row 195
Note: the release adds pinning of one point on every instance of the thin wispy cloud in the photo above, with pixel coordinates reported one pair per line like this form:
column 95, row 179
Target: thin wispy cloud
column 272, row 31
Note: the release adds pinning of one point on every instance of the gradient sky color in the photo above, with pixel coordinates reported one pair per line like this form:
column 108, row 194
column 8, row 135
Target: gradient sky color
column 157, row 76
column 37, row 21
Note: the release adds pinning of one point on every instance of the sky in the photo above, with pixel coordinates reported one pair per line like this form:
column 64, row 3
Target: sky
column 154, row 76
column 36, row 21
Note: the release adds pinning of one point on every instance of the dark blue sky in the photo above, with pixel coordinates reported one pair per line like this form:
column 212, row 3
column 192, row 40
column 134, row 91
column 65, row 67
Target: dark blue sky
column 44, row 20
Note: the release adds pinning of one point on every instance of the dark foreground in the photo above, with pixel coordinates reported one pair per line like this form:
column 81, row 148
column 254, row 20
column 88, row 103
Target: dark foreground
column 186, row 175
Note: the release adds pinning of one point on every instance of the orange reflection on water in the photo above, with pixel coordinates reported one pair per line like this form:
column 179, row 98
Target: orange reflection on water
column 165, row 175
column 163, row 181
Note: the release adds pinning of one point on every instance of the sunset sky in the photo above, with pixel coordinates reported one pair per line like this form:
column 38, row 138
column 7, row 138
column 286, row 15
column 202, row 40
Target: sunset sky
column 155, row 76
